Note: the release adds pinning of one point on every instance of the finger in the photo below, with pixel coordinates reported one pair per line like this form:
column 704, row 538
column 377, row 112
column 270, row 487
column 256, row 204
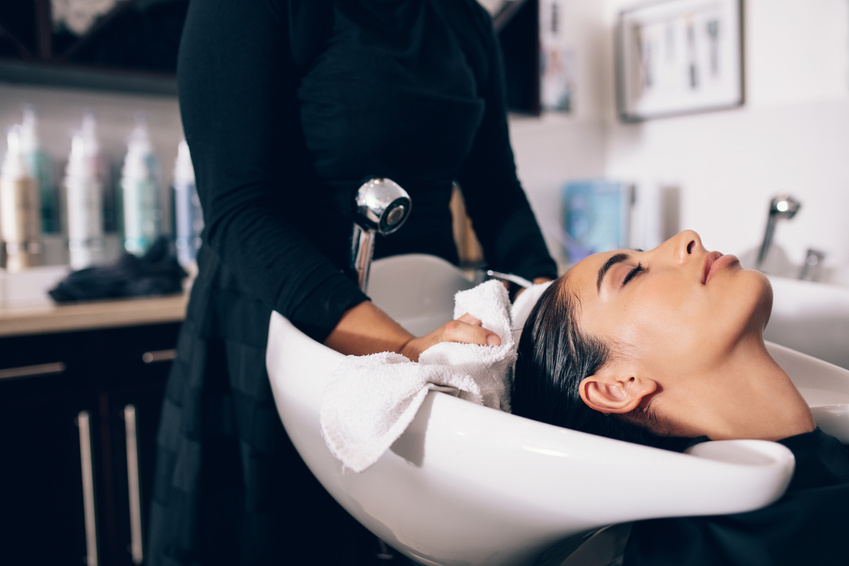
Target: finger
column 469, row 319
column 457, row 331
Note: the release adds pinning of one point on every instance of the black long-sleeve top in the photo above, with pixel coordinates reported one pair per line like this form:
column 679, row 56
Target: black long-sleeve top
column 806, row 526
column 288, row 105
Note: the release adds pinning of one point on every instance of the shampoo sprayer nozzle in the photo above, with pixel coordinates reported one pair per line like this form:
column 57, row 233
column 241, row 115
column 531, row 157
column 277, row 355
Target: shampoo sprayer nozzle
column 88, row 131
column 183, row 170
column 13, row 163
column 139, row 137
column 138, row 161
column 78, row 164
column 29, row 130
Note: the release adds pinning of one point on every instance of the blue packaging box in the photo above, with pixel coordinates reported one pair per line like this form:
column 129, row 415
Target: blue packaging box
column 596, row 217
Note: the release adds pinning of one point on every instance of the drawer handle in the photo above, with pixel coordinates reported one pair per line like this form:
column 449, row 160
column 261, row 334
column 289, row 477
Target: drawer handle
column 133, row 484
column 33, row 371
column 87, row 463
column 158, row 356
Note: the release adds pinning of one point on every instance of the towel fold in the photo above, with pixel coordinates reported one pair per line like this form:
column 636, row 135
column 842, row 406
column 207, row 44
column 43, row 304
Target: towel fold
column 370, row 400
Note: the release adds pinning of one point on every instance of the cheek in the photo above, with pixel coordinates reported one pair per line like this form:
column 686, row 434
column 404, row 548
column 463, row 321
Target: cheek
column 665, row 325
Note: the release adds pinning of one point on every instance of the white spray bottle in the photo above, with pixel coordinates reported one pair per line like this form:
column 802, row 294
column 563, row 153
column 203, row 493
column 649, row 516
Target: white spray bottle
column 20, row 208
column 188, row 216
column 84, row 204
column 140, row 191
column 88, row 131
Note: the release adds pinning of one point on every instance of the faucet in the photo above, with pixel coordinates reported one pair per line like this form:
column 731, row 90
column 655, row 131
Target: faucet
column 381, row 206
column 781, row 207
column 812, row 270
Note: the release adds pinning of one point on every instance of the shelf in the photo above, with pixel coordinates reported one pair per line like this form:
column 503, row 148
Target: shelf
column 71, row 76
column 132, row 48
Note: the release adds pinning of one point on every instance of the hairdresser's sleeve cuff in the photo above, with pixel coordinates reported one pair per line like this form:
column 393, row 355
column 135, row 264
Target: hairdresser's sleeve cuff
column 318, row 311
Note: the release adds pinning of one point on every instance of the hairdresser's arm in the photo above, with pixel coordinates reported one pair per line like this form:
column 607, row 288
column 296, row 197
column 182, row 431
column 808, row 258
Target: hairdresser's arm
column 497, row 204
column 238, row 100
column 366, row 329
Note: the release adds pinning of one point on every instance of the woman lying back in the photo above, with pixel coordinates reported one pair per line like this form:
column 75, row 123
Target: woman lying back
column 665, row 347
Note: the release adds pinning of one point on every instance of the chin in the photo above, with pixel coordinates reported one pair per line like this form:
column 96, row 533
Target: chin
column 764, row 306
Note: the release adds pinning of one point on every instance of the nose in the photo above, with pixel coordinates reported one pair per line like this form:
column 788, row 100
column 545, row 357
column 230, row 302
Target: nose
column 683, row 246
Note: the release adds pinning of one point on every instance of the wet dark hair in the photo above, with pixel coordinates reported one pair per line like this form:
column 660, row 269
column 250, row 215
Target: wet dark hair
column 554, row 356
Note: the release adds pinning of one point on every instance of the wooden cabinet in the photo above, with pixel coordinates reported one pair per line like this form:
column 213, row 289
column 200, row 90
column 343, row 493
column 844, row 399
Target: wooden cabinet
column 79, row 413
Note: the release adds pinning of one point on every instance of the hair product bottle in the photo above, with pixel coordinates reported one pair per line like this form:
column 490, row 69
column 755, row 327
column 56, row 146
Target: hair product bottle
column 84, row 205
column 40, row 166
column 88, row 131
column 188, row 216
column 140, row 191
column 20, row 209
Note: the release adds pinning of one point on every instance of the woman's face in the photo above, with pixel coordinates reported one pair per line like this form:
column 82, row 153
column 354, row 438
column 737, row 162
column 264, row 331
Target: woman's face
column 677, row 308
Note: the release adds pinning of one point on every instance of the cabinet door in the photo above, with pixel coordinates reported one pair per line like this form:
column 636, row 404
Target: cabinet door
column 134, row 376
column 79, row 414
column 134, row 420
column 48, row 476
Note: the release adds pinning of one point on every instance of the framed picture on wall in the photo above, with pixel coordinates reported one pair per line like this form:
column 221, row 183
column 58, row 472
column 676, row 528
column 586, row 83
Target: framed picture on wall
column 679, row 56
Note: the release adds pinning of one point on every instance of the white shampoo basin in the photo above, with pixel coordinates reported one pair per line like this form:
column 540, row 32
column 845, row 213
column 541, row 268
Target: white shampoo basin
column 468, row 485
column 812, row 318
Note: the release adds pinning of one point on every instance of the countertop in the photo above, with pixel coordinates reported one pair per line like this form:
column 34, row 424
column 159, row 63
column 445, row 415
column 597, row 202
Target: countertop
column 26, row 307
column 45, row 317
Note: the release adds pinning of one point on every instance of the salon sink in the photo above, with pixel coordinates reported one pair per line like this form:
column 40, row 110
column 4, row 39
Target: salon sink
column 465, row 484
column 812, row 318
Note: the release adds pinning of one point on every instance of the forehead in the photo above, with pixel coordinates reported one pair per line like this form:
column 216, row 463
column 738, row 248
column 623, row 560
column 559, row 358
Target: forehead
column 583, row 277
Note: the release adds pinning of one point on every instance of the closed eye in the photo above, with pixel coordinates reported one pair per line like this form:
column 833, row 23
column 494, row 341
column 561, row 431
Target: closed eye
column 633, row 273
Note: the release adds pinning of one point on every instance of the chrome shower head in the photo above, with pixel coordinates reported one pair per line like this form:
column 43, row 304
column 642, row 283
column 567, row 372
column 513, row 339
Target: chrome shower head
column 784, row 207
column 781, row 207
column 382, row 205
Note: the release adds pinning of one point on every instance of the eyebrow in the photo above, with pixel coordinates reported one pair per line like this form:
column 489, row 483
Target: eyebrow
column 617, row 258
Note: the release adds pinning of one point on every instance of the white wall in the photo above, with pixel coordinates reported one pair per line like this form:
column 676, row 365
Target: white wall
column 548, row 151
column 792, row 135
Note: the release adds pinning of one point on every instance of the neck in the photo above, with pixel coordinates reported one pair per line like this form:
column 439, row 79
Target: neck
column 749, row 396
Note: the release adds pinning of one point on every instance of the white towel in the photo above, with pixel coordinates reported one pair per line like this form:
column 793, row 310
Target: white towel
column 522, row 307
column 371, row 400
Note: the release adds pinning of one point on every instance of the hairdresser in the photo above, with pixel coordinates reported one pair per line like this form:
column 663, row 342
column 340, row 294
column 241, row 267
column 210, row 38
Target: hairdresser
column 288, row 106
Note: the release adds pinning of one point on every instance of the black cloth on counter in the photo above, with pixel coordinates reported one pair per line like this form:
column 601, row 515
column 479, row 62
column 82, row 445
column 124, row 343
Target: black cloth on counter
column 807, row 525
column 157, row 272
column 288, row 106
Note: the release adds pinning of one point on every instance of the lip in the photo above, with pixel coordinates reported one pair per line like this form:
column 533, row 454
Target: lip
column 714, row 262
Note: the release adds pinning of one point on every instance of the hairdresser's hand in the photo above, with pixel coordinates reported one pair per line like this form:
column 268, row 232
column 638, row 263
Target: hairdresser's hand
column 466, row 329
column 365, row 329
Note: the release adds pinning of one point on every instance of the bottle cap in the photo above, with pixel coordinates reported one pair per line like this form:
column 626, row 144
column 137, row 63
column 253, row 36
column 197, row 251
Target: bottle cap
column 80, row 163
column 89, row 132
column 139, row 150
column 184, row 173
column 29, row 131
column 14, row 166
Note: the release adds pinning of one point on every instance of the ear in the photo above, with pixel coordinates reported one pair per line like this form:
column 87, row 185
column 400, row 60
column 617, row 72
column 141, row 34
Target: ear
column 612, row 390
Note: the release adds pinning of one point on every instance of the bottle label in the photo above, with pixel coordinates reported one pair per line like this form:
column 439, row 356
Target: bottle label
column 142, row 214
